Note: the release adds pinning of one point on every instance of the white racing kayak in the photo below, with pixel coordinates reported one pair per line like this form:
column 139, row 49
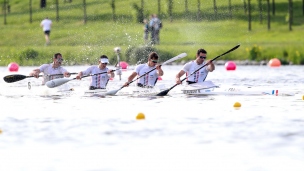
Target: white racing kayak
column 34, row 90
column 208, row 88
column 42, row 90
column 96, row 92
column 130, row 91
column 139, row 91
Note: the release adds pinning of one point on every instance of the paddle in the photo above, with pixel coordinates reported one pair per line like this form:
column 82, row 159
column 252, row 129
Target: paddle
column 182, row 55
column 60, row 81
column 18, row 77
column 165, row 92
column 118, row 72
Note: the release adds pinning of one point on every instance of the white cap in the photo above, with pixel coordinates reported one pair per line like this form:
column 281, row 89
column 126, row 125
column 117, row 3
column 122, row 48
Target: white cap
column 104, row 60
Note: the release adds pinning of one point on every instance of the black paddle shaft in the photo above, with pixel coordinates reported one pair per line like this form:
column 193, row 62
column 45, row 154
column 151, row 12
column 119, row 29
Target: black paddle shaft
column 165, row 92
column 95, row 74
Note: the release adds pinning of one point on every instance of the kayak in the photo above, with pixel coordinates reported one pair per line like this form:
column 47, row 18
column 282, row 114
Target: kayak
column 138, row 91
column 34, row 90
column 210, row 89
column 127, row 91
column 96, row 92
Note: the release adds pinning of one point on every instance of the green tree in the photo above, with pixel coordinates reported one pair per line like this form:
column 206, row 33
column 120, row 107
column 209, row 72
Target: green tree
column 170, row 9
column 31, row 11
column 113, row 10
column 199, row 10
column 139, row 13
column 186, row 6
column 84, row 12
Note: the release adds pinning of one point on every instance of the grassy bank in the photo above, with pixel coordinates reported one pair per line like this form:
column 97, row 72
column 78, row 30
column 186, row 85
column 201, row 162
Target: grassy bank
column 83, row 43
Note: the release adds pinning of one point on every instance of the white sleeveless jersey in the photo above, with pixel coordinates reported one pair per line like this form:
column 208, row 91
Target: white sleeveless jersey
column 47, row 69
column 149, row 79
column 98, row 81
column 46, row 23
column 200, row 75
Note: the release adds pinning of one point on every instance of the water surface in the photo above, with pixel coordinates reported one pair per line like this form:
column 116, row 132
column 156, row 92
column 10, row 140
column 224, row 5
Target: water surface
column 80, row 133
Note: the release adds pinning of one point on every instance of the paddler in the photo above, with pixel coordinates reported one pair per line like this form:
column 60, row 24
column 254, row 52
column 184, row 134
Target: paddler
column 51, row 71
column 191, row 66
column 99, row 81
column 150, row 79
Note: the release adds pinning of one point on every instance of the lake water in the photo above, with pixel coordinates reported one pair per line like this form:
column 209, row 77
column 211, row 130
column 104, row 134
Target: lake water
column 180, row 132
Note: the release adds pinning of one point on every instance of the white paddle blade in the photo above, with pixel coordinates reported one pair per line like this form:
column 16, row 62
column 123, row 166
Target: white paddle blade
column 112, row 92
column 57, row 82
column 182, row 55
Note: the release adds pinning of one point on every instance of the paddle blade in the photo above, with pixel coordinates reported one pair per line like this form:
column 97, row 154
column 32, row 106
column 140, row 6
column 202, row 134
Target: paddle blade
column 112, row 92
column 57, row 82
column 163, row 93
column 14, row 78
column 182, row 55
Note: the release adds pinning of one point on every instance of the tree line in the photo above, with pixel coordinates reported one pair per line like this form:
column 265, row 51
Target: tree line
column 140, row 9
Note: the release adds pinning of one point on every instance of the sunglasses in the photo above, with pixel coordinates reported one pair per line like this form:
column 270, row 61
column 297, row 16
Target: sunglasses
column 59, row 59
column 105, row 63
column 203, row 57
column 154, row 61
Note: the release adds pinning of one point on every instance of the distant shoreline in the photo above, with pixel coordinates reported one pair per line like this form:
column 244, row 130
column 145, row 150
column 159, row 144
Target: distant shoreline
column 237, row 62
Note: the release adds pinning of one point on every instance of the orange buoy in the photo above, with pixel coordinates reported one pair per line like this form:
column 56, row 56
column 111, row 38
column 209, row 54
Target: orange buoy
column 13, row 67
column 230, row 66
column 274, row 62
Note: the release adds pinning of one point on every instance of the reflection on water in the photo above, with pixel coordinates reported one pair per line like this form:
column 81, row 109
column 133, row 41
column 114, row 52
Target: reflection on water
column 42, row 131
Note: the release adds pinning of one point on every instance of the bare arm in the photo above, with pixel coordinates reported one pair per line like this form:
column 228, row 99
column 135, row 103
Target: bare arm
column 79, row 75
column 181, row 73
column 211, row 66
column 160, row 72
column 66, row 74
column 35, row 73
column 130, row 78
column 111, row 73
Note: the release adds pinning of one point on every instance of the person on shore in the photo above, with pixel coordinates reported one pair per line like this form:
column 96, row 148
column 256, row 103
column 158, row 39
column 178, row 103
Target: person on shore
column 151, row 29
column 46, row 26
column 149, row 80
column 99, row 81
column 146, row 31
column 157, row 25
column 191, row 66
column 51, row 71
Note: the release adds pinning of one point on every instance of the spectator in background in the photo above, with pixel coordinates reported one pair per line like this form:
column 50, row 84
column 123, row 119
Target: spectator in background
column 157, row 26
column 146, row 31
column 46, row 26
column 151, row 23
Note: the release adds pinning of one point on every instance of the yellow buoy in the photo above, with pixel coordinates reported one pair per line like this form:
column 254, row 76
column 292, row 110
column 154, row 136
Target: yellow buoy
column 303, row 97
column 0, row 131
column 237, row 104
column 140, row 116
